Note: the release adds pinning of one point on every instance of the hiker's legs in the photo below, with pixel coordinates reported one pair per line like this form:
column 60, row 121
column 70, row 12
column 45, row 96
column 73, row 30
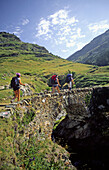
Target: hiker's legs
column 16, row 95
column 70, row 85
column 53, row 89
column 18, row 92
column 57, row 87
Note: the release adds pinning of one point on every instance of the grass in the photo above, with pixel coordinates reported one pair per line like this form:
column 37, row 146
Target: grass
column 34, row 153
column 36, row 66
column 37, row 71
column 57, row 122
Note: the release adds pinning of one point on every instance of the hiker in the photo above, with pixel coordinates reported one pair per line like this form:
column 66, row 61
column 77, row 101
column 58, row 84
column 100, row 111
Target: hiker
column 15, row 84
column 55, row 83
column 69, row 81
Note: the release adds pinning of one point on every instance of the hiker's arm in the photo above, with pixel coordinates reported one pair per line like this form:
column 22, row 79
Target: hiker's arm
column 58, row 82
column 21, row 83
column 73, row 81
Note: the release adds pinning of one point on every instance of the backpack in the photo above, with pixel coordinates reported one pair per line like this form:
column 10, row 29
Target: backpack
column 14, row 82
column 54, row 79
column 68, row 78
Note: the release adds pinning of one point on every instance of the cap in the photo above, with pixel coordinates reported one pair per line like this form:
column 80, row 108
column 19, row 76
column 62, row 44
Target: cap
column 69, row 75
column 18, row 74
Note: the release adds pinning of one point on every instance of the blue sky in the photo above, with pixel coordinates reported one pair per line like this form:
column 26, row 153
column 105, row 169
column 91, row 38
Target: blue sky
column 61, row 26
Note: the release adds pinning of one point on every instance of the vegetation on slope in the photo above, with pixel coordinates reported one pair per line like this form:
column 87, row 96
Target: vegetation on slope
column 18, row 152
column 36, row 66
column 96, row 52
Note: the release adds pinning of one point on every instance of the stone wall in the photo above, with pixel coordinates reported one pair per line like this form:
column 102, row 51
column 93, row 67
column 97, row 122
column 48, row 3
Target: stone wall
column 85, row 127
column 85, row 122
column 51, row 107
column 86, row 132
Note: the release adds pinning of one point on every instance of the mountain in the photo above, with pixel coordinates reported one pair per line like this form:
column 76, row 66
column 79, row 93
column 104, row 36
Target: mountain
column 11, row 45
column 94, row 53
column 37, row 65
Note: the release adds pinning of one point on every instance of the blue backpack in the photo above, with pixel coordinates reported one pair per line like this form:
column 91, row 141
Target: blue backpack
column 14, row 82
column 68, row 78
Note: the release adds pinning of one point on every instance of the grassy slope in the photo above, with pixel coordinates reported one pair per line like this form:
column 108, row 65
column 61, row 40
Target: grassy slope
column 37, row 71
column 37, row 65
column 17, row 152
column 34, row 70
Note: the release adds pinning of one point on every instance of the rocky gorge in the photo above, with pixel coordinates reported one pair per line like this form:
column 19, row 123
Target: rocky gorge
column 86, row 132
column 78, row 120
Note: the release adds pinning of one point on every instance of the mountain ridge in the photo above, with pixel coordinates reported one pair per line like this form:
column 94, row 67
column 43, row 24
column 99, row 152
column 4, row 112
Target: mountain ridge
column 11, row 45
column 95, row 53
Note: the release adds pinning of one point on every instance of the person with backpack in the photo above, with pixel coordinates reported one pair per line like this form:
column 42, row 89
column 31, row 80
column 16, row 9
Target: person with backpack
column 15, row 84
column 55, row 83
column 69, row 80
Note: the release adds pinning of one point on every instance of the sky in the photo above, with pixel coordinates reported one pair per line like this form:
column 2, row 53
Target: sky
column 61, row 26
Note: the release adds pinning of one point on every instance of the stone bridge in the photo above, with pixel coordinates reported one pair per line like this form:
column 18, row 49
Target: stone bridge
column 52, row 107
column 84, row 129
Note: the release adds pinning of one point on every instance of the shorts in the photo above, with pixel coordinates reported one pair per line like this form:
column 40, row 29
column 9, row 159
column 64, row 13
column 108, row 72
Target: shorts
column 16, row 88
column 55, row 85
column 70, row 84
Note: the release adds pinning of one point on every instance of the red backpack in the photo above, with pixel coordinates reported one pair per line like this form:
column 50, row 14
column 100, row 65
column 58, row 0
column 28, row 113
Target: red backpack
column 54, row 79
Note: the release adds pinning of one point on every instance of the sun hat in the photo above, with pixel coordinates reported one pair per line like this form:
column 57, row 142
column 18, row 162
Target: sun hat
column 18, row 74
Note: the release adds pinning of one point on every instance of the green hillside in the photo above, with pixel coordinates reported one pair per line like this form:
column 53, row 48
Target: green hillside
column 96, row 52
column 36, row 66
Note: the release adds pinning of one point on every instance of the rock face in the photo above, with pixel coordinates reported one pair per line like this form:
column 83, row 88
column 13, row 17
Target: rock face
column 26, row 90
column 87, row 131
column 52, row 107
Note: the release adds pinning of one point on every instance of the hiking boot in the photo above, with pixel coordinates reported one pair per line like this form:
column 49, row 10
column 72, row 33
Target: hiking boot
column 12, row 101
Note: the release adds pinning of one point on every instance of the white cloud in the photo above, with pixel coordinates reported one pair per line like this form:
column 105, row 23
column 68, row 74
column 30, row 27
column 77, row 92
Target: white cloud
column 65, row 30
column 79, row 33
column 101, row 26
column 25, row 21
column 58, row 17
column 17, row 31
column 60, row 29
column 17, row 28
column 58, row 23
column 70, row 43
column 72, row 21
column 62, row 38
column 43, row 28
column 64, row 51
